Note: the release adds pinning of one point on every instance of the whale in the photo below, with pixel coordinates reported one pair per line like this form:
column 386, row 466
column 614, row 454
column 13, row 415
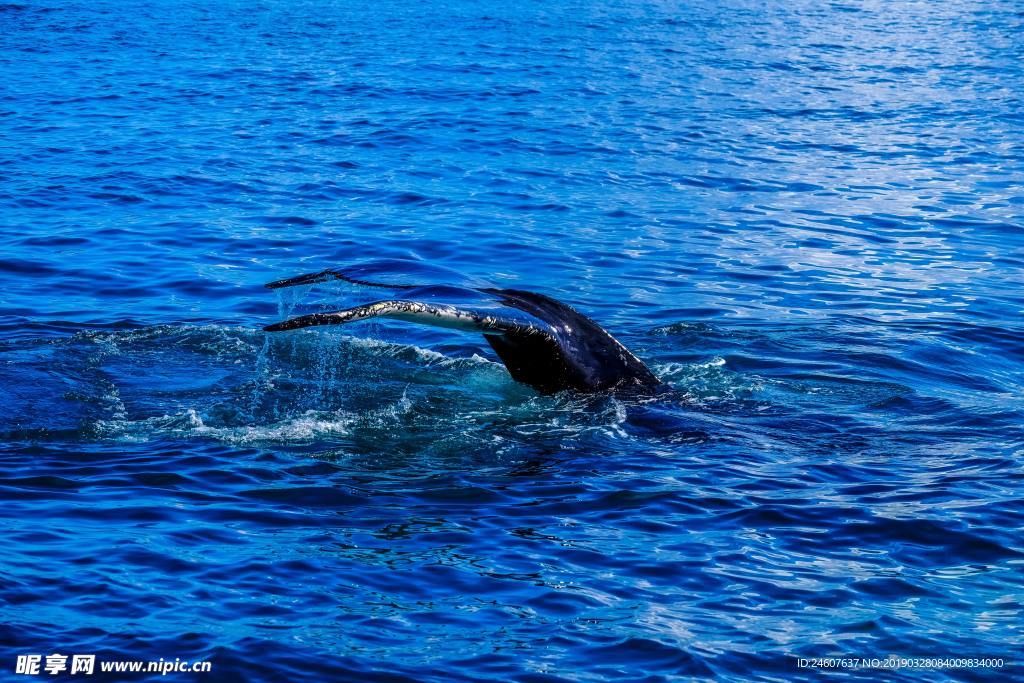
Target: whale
column 543, row 342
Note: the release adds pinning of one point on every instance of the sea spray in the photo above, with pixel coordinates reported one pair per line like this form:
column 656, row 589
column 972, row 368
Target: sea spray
column 262, row 381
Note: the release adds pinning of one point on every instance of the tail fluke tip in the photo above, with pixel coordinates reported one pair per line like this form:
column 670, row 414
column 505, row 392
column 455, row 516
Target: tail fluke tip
column 306, row 279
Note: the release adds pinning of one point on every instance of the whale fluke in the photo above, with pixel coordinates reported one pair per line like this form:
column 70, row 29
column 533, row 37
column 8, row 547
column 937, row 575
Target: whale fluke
column 412, row 311
column 543, row 342
column 326, row 276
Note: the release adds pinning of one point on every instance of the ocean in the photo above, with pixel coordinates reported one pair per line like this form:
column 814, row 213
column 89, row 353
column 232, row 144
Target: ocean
column 807, row 218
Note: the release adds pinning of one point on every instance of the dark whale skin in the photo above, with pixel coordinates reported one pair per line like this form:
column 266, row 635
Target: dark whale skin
column 580, row 354
column 553, row 348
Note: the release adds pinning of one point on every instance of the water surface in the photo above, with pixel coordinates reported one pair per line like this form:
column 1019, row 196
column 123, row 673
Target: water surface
column 805, row 217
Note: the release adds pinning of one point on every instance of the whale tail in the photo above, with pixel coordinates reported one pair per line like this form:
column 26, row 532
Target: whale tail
column 397, row 274
column 543, row 342
column 531, row 354
column 436, row 315
column 327, row 276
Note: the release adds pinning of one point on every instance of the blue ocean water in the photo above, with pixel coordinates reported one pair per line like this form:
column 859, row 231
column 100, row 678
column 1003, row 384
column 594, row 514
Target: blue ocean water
column 805, row 217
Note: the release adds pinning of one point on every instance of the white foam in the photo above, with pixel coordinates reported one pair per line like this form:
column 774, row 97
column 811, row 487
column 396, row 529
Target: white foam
column 305, row 427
